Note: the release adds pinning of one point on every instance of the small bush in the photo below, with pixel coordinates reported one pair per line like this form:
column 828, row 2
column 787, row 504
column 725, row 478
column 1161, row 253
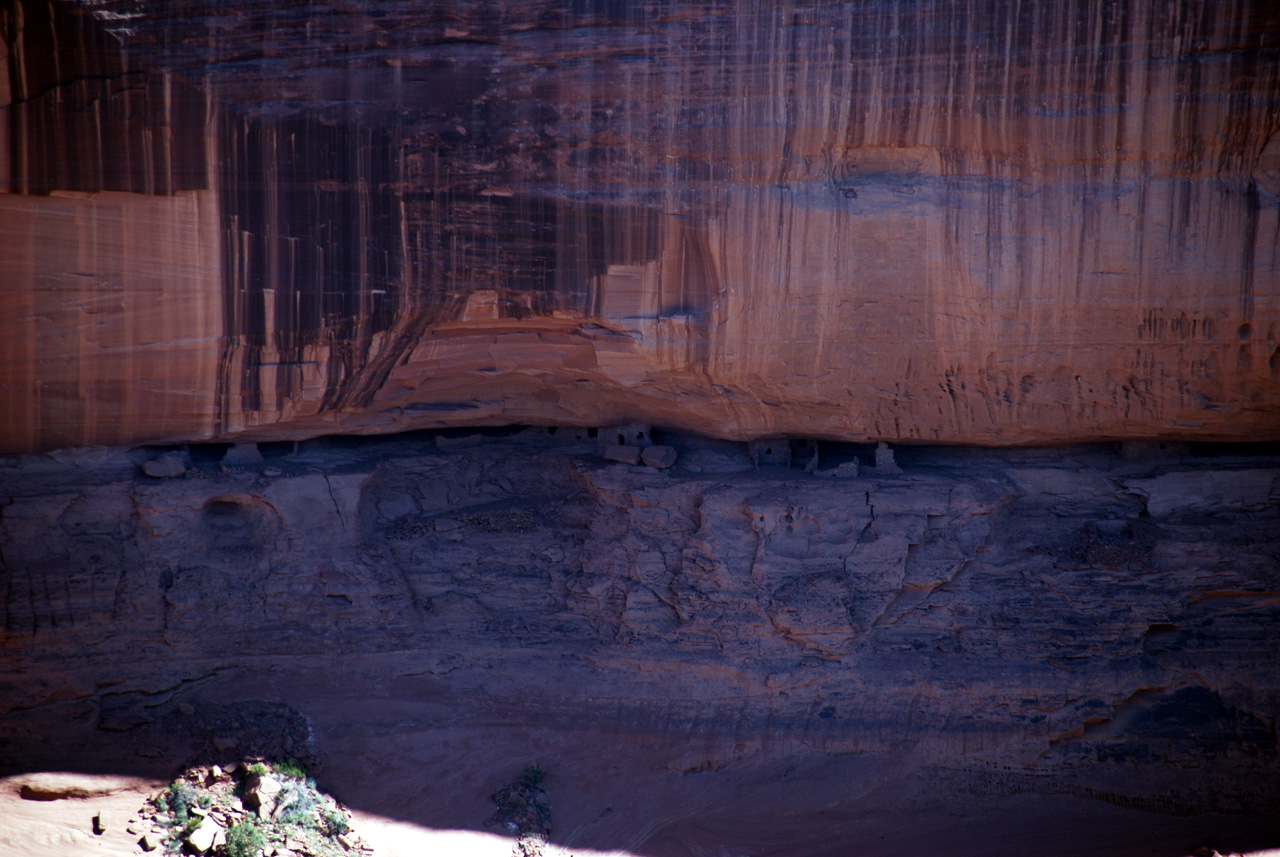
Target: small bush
column 259, row 769
column 336, row 824
column 180, row 798
column 521, row 806
column 290, row 769
column 296, row 804
column 245, row 840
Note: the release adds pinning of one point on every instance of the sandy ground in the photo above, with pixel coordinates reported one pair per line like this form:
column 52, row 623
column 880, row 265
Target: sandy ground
column 400, row 839
column 63, row 827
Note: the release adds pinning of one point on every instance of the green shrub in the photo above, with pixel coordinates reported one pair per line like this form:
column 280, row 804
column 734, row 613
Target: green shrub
column 336, row 823
column 296, row 804
column 259, row 769
column 290, row 769
column 180, row 797
column 521, row 806
column 245, row 839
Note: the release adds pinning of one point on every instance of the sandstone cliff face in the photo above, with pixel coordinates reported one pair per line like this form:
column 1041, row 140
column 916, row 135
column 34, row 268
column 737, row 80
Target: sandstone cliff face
column 765, row 661
column 1004, row 223
column 958, row 222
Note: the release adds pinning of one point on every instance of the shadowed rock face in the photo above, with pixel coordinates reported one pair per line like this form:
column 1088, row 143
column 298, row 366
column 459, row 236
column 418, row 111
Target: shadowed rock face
column 959, row 222
column 984, row 653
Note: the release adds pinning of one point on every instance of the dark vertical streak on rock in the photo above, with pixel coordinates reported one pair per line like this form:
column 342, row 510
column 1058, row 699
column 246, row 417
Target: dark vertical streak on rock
column 81, row 119
column 312, row 253
column 1249, row 242
column 314, row 264
column 1026, row 182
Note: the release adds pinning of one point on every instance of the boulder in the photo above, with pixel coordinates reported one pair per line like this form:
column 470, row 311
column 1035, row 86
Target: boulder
column 166, row 466
column 57, row 786
column 660, row 457
column 260, row 792
column 205, row 837
column 149, row 841
column 845, row 470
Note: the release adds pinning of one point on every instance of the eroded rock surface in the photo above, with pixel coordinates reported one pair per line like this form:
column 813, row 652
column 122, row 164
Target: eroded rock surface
column 983, row 222
column 765, row 660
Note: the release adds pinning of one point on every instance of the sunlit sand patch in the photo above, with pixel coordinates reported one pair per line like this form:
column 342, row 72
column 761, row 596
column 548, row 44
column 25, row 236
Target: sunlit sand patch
column 55, row 819
column 402, row 839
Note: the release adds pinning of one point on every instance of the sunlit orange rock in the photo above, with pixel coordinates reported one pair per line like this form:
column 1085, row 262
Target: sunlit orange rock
column 997, row 223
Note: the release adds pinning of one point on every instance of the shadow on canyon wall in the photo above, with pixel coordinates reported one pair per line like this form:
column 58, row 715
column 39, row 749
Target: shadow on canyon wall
column 987, row 652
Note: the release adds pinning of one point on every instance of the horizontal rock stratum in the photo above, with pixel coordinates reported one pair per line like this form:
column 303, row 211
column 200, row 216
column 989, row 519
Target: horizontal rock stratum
column 998, row 652
column 962, row 222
